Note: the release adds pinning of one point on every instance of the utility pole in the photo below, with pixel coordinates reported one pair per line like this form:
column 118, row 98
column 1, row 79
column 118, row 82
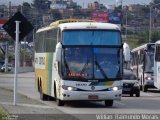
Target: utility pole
column 126, row 24
column 6, row 48
column 150, row 21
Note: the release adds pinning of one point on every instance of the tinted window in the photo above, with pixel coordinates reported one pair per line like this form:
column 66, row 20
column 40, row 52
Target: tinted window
column 91, row 37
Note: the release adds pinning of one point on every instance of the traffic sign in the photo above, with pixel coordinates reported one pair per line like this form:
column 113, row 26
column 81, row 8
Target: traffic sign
column 25, row 26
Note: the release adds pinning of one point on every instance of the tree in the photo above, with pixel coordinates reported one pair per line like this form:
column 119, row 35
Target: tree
column 26, row 9
column 155, row 1
column 143, row 37
column 155, row 36
column 42, row 5
column 56, row 14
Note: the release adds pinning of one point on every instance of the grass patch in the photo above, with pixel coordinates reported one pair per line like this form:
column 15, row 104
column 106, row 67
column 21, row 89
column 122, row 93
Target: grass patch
column 3, row 114
column 132, row 42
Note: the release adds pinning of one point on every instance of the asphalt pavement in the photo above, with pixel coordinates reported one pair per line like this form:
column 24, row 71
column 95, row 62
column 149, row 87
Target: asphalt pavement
column 32, row 107
column 29, row 109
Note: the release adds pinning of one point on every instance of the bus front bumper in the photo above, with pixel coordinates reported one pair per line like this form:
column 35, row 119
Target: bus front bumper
column 149, row 83
column 98, row 95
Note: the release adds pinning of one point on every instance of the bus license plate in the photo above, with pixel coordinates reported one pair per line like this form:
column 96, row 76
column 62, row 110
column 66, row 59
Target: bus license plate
column 92, row 97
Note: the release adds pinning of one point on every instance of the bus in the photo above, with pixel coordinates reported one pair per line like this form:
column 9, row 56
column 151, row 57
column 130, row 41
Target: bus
column 142, row 64
column 79, row 60
column 157, row 65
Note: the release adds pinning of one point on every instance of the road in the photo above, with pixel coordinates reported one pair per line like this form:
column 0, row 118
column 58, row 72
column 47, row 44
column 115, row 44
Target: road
column 147, row 103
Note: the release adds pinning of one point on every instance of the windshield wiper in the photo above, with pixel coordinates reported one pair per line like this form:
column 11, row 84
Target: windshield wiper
column 84, row 67
column 66, row 66
column 100, row 68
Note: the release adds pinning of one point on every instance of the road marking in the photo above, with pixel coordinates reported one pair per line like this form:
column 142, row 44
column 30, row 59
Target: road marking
column 120, row 103
column 147, row 94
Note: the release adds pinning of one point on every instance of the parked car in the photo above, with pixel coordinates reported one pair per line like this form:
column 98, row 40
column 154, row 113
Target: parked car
column 130, row 84
column 9, row 67
column 1, row 63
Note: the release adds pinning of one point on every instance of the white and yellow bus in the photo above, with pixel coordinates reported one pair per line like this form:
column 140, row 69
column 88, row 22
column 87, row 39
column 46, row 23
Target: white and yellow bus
column 79, row 60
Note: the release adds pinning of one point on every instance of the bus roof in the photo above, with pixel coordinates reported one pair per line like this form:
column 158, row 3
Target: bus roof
column 157, row 42
column 58, row 22
column 89, row 25
column 141, row 47
column 79, row 24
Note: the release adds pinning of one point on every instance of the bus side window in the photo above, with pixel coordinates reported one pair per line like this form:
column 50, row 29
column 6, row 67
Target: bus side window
column 157, row 55
column 59, row 35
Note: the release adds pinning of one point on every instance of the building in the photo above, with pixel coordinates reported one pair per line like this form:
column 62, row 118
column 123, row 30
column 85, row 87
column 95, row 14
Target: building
column 66, row 13
column 62, row 4
column 110, row 8
column 58, row 4
column 134, row 7
column 3, row 12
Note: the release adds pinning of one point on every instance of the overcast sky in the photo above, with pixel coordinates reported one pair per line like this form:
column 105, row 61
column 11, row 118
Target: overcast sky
column 83, row 2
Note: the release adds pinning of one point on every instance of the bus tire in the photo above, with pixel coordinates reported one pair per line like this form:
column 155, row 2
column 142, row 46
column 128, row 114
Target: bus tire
column 131, row 95
column 55, row 91
column 141, row 87
column 60, row 102
column 108, row 103
column 38, row 83
column 144, row 88
column 42, row 95
column 138, row 94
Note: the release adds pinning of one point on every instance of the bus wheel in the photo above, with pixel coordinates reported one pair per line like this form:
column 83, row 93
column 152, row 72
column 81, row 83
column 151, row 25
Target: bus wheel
column 108, row 103
column 60, row 102
column 138, row 94
column 42, row 95
column 144, row 88
column 131, row 95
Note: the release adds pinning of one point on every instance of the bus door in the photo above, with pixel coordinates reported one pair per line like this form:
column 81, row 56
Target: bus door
column 157, row 67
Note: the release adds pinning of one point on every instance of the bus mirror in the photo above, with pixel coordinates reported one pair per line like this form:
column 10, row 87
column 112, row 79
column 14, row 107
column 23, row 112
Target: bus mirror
column 58, row 51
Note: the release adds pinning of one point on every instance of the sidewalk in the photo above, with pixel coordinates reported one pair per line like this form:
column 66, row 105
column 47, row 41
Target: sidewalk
column 28, row 109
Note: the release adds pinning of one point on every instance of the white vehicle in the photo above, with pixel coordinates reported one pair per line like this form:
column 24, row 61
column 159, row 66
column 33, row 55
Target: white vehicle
column 79, row 60
column 157, row 65
column 3, row 67
column 142, row 64
column 127, row 56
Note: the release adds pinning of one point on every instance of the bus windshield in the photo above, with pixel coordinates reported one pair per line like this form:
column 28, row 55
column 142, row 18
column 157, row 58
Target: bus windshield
column 149, row 58
column 149, row 62
column 91, row 63
column 91, row 37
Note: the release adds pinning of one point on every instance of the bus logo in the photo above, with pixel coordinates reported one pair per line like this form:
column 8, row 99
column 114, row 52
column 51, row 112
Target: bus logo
column 92, row 87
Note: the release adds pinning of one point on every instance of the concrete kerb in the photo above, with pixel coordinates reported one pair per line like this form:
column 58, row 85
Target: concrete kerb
column 35, row 108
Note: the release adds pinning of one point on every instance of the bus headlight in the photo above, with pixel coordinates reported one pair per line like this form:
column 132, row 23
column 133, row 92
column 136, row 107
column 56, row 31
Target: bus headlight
column 70, row 88
column 148, row 78
column 115, row 88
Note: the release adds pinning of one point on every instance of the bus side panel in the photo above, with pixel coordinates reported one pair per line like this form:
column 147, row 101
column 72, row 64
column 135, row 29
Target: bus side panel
column 55, row 78
column 49, row 73
column 157, row 75
column 41, row 71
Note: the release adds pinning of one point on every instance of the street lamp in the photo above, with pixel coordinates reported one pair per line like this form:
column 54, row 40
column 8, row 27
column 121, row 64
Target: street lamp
column 150, row 23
